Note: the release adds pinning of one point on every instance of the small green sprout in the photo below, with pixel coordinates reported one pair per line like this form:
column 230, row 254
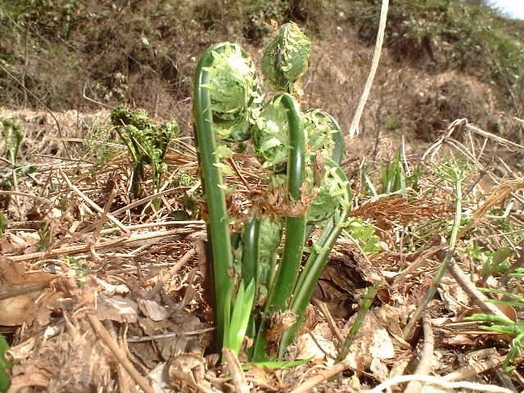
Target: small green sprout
column 324, row 134
column 364, row 234
column 233, row 87
column 5, row 380
column 333, row 192
column 3, row 224
column 146, row 142
column 233, row 82
column 260, row 277
column 271, row 135
column 505, row 326
column 81, row 270
column 13, row 135
column 285, row 58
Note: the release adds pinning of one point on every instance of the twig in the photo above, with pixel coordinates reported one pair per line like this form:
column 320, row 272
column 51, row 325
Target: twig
column 105, row 215
column 126, row 384
column 309, row 384
column 329, row 319
column 421, row 261
column 353, row 129
column 195, row 224
column 475, row 369
column 502, row 141
column 86, row 248
column 478, row 297
column 84, row 95
column 426, row 357
column 400, row 366
column 104, row 335
column 239, row 174
column 16, row 200
column 17, row 291
column 169, row 335
column 145, row 200
column 88, row 200
column 237, row 374
column 165, row 278
column 23, row 194
column 439, row 382
column 433, row 149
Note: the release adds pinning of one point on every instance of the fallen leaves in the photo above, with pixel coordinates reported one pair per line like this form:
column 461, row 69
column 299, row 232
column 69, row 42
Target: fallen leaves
column 18, row 292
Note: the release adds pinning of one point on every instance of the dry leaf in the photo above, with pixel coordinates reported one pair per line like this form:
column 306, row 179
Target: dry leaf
column 153, row 310
column 371, row 342
column 17, row 310
column 19, row 291
column 117, row 308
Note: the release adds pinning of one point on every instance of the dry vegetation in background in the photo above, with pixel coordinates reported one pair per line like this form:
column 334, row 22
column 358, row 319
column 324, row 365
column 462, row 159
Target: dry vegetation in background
column 85, row 266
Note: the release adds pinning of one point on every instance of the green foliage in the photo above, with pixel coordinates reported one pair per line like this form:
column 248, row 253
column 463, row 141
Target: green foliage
column 250, row 17
column 367, row 301
column 302, row 174
column 518, row 273
column 275, row 365
column 324, row 134
column 146, row 142
column 456, row 178
column 13, row 135
column 505, row 326
column 240, row 315
column 189, row 201
column 233, row 84
column 135, row 61
column 5, row 380
column 55, row 19
column 3, row 224
column 44, row 236
column 393, row 123
column 285, row 58
column 42, row 29
column 452, row 170
column 100, row 151
column 497, row 264
column 271, row 135
column 394, row 177
column 364, row 234
column 333, row 192
column 81, row 270
column 506, row 57
column 494, row 263
column 269, row 239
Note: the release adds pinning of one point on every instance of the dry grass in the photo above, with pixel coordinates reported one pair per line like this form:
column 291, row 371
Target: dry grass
column 104, row 291
column 74, row 220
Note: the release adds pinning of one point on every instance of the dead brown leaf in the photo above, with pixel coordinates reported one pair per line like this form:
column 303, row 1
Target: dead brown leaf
column 18, row 292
